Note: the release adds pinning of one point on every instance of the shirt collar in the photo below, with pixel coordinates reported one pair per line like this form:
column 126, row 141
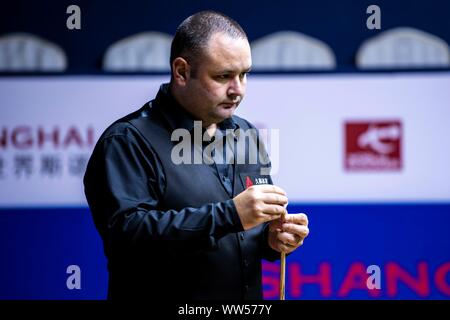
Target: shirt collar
column 178, row 117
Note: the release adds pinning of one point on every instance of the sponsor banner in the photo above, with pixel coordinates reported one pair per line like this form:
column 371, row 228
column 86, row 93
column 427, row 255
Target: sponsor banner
column 313, row 113
column 393, row 251
column 359, row 280
column 49, row 127
column 373, row 146
column 331, row 138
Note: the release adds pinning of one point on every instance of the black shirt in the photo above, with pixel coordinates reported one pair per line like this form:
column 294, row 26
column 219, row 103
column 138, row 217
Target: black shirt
column 171, row 229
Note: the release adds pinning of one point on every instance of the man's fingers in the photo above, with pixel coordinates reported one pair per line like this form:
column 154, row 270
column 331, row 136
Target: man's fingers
column 297, row 218
column 285, row 248
column 275, row 225
column 296, row 229
column 272, row 198
column 270, row 188
column 274, row 209
column 290, row 239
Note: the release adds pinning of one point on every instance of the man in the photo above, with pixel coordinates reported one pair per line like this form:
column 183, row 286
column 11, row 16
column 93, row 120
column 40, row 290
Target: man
column 188, row 230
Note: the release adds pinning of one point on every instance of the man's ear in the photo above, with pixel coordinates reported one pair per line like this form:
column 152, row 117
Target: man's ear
column 180, row 70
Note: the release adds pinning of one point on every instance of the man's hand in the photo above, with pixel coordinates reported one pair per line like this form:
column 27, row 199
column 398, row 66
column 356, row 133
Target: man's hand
column 259, row 204
column 286, row 236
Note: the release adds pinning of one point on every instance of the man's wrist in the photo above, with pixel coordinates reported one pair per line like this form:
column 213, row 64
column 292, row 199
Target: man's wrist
column 232, row 210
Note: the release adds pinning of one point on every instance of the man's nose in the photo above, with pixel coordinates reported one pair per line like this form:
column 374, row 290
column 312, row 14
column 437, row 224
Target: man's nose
column 237, row 87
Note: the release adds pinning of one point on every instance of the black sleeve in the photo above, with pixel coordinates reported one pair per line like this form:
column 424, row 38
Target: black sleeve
column 123, row 184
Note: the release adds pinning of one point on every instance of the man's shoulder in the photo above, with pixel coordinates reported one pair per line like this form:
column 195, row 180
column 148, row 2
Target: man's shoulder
column 124, row 126
column 243, row 123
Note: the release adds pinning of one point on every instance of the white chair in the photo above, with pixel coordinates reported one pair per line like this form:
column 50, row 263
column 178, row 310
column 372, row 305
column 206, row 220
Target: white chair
column 147, row 51
column 403, row 48
column 289, row 50
column 24, row 52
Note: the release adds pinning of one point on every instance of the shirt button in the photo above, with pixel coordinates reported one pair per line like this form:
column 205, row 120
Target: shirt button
column 246, row 263
column 242, row 236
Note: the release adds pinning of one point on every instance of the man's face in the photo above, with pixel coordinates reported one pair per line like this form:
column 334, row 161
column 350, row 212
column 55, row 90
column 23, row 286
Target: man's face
column 219, row 83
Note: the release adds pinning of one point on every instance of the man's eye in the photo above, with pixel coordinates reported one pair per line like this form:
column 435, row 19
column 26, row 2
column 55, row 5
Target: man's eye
column 223, row 76
column 243, row 75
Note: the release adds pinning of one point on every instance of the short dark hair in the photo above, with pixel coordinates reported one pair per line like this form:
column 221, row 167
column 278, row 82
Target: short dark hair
column 194, row 32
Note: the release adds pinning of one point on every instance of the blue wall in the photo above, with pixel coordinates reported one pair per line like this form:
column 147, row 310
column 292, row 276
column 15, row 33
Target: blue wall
column 37, row 245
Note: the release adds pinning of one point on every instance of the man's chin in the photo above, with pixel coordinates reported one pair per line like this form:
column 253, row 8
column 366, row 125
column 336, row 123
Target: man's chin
column 221, row 114
column 226, row 111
